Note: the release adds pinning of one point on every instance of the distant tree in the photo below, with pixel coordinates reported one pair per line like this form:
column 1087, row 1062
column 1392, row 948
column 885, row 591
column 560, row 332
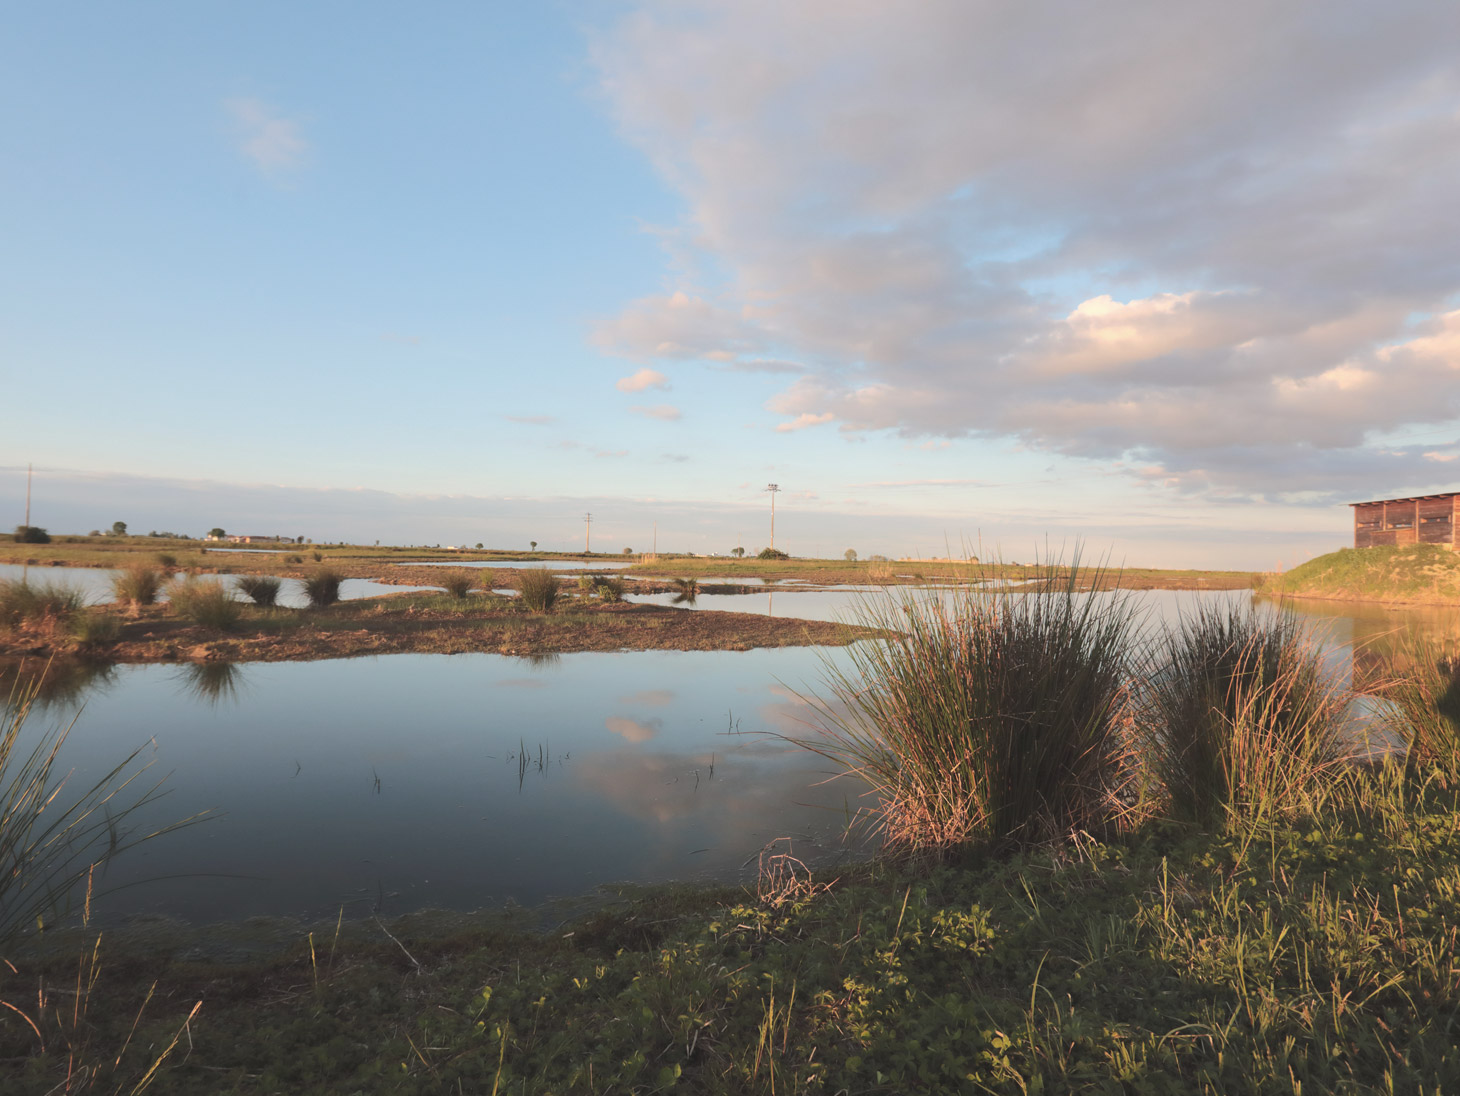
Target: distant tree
column 773, row 553
column 94, row 533
column 299, row 539
column 851, row 554
column 737, row 552
column 217, row 533
column 531, row 542
column 119, row 528
column 479, row 544
column 31, row 534
column 628, row 551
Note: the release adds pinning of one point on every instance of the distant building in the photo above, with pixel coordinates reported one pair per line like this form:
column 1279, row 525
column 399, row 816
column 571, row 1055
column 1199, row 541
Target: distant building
column 245, row 538
column 1423, row 519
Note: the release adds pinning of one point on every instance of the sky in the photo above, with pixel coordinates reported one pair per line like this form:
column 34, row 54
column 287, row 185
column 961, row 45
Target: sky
column 1170, row 282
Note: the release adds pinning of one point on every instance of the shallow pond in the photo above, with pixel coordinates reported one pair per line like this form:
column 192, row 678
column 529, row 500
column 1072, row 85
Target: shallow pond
column 554, row 565
column 408, row 781
column 400, row 782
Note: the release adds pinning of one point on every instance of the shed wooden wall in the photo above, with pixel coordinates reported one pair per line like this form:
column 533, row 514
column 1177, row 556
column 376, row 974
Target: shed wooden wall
column 1412, row 521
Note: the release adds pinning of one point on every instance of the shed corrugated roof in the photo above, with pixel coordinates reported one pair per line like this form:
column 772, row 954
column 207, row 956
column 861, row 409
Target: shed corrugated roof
column 1409, row 498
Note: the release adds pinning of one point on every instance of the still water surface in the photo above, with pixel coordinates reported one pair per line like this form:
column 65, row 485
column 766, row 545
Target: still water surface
column 401, row 782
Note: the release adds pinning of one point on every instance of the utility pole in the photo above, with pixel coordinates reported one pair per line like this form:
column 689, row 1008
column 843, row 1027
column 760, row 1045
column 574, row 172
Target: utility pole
column 588, row 535
column 773, row 489
column 29, row 472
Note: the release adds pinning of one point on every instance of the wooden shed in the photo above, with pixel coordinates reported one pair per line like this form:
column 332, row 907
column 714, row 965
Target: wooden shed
column 1423, row 519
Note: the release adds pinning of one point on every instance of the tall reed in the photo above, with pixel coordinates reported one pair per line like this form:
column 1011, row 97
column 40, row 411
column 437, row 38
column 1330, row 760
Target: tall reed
column 539, row 588
column 52, row 836
column 1425, row 694
column 984, row 717
column 1240, row 714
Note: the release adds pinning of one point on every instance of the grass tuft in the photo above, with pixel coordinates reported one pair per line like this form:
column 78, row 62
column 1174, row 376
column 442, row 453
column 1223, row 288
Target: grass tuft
column 94, row 629
column 610, row 588
column 1240, row 714
column 138, row 585
column 1425, row 695
column 38, row 609
column 986, row 718
column 260, row 589
column 458, row 583
column 539, row 588
column 322, row 587
column 689, row 591
column 204, row 601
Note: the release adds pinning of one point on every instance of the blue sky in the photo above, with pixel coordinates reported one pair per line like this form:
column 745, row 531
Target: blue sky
column 946, row 272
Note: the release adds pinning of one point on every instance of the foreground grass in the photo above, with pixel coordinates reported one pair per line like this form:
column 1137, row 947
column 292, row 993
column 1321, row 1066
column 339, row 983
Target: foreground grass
column 1317, row 955
column 1418, row 574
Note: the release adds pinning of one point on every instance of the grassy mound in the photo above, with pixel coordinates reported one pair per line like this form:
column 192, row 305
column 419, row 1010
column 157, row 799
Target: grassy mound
column 1423, row 574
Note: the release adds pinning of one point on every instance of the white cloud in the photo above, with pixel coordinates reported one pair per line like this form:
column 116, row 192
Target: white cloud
column 272, row 142
column 664, row 411
column 803, row 420
column 644, row 378
column 1144, row 233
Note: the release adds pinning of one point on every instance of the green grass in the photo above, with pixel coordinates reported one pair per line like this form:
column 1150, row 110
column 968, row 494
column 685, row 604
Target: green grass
column 539, row 588
column 94, row 629
column 262, row 590
column 204, row 601
column 1420, row 573
column 1424, row 689
column 322, row 587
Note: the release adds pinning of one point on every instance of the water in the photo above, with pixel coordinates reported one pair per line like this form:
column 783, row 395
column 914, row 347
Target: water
column 396, row 783
column 517, row 564
column 96, row 584
column 400, row 782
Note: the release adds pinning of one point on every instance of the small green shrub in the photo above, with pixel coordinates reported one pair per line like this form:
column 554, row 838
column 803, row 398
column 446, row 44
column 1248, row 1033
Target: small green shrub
column 586, row 585
column 317, row 556
column 204, row 601
column 138, row 585
column 611, row 589
column 41, row 609
column 458, row 583
column 293, row 557
column 322, row 588
column 31, row 534
column 772, row 553
column 260, row 589
column 539, row 588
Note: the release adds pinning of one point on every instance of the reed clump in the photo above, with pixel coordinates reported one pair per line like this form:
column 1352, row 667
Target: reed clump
column 610, row 588
column 987, row 719
column 204, row 601
column 689, row 591
column 1240, row 714
column 39, row 609
column 322, row 587
column 138, row 585
column 262, row 590
column 458, row 583
column 94, row 629
column 539, row 588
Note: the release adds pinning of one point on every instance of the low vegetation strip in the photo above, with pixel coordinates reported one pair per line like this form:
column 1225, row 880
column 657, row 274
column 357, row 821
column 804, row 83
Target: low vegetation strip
column 1418, row 574
column 418, row 623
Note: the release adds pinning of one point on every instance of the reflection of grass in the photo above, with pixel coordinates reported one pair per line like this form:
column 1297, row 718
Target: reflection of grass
column 211, row 682
column 61, row 684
